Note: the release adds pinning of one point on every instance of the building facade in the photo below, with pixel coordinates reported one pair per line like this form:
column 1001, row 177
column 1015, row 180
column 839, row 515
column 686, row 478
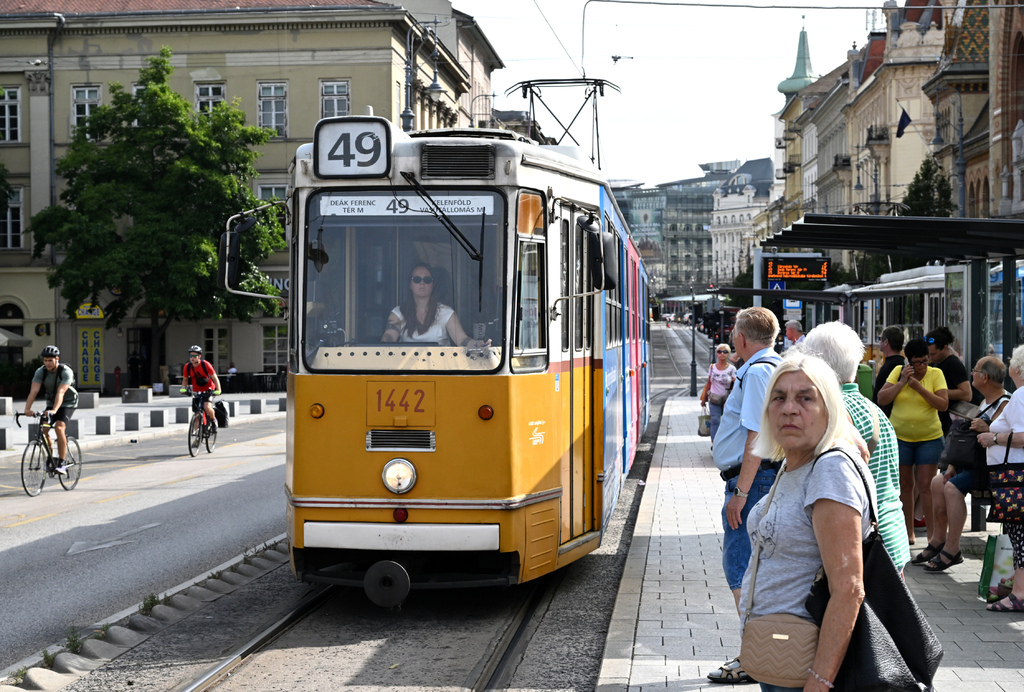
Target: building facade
column 737, row 201
column 286, row 66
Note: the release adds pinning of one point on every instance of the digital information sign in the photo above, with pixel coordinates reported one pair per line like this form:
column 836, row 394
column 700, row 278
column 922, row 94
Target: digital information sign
column 796, row 268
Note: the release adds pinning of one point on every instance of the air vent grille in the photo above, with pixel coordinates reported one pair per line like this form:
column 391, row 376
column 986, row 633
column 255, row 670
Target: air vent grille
column 446, row 161
column 400, row 441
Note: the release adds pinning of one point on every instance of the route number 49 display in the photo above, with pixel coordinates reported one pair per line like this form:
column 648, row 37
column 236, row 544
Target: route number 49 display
column 352, row 147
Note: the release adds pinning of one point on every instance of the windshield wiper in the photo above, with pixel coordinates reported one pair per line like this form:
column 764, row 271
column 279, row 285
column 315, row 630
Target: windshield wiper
column 442, row 218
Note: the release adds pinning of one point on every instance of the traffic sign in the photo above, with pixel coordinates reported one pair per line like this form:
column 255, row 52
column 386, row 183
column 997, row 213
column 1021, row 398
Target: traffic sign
column 788, row 304
column 777, row 285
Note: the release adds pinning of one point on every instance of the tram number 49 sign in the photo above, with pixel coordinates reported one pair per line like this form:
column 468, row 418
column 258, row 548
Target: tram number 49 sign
column 352, row 147
column 796, row 269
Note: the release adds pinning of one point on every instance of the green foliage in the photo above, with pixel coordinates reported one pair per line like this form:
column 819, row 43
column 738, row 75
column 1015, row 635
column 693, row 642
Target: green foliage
column 148, row 603
column 75, row 640
column 5, row 187
column 11, row 373
column 930, row 193
column 149, row 185
column 48, row 658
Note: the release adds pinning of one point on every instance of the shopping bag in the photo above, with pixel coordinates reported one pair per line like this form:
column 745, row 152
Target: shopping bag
column 704, row 422
column 997, row 567
column 221, row 413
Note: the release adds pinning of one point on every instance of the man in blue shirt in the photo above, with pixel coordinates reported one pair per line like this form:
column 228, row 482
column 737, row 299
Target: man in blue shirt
column 747, row 478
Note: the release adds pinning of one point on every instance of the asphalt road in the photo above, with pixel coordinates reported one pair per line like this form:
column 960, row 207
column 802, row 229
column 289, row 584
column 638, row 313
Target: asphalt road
column 144, row 518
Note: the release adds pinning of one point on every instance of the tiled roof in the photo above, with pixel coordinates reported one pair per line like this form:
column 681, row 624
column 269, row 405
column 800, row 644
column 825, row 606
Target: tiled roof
column 90, row 7
column 971, row 35
column 875, row 54
column 922, row 12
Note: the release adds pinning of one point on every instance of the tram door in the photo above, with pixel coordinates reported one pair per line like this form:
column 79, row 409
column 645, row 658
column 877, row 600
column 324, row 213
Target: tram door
column 577, row 376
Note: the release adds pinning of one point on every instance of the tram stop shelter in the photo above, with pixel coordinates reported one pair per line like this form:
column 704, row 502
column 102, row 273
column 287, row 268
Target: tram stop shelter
column 977, row 243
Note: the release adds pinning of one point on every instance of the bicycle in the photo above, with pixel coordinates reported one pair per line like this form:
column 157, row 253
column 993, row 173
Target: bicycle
column 38, row 461
column 200, row 428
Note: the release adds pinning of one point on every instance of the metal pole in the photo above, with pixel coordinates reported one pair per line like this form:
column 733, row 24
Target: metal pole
column 407, row 114
column 693, row 342
column 961, row 162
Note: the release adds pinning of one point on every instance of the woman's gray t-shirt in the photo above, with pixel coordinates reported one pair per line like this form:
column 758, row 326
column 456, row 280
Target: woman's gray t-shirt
column 790, row 557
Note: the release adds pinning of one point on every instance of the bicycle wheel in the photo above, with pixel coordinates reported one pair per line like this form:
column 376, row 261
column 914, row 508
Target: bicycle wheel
column 73, row 463
column 211, row 437
column 195, row 434
column 33, row 468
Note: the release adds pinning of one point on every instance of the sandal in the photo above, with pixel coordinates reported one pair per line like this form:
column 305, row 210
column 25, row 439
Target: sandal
column 730, row 672
column 932, row 553
column 937, row 564
column 1010, row 604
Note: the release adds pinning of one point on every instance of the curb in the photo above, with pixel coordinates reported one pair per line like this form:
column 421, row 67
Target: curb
column 104, row 641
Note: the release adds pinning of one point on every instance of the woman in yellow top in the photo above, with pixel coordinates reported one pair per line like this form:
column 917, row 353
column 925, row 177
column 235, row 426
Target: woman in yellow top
column 917, row 394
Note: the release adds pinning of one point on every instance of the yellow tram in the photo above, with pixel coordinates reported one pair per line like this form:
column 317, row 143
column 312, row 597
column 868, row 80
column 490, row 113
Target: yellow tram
column 469, row 347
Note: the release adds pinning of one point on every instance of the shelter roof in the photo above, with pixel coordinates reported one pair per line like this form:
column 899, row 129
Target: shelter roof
column 915, row 236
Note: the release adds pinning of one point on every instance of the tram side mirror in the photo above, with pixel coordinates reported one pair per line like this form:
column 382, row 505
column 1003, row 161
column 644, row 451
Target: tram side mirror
column 317, row 253
column 611, row 261
column 604, row 256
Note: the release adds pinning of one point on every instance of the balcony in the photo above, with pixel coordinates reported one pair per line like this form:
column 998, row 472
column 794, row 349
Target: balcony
column 878, row 133
column 841, row 161
column 790, row 166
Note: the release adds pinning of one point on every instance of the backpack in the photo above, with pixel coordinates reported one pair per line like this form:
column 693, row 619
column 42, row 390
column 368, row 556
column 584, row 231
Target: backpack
column 201, row 379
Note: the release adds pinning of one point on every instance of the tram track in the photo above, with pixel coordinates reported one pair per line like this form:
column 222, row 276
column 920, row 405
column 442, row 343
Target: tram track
column 508, row 633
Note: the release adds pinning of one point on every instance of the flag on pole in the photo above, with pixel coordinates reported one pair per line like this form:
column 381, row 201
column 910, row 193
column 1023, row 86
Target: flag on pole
column 904, row 121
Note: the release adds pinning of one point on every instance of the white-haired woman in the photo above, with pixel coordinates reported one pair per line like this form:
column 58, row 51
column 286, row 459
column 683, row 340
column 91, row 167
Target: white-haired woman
column 839, row 346
column 996, row 440
column 819, row 516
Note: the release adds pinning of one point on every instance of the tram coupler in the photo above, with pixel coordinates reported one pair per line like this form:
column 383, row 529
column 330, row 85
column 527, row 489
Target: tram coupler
column 387, row 583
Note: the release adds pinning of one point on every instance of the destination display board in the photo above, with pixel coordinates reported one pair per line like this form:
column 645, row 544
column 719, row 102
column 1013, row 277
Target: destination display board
column 796, row 268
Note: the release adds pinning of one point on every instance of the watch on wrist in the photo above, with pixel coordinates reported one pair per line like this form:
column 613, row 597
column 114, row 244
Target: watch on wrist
column 740, row 493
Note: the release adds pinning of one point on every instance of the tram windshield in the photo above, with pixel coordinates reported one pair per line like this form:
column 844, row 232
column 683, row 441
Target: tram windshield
column 373, row 258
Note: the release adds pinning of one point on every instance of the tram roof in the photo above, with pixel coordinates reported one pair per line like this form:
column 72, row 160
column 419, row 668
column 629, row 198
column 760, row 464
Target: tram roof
column 915, row 236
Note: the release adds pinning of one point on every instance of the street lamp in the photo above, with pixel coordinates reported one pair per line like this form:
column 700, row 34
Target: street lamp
column 875, row 198
column 961, row 162
column 435, row 90
column 472, row 117
column 693, row 342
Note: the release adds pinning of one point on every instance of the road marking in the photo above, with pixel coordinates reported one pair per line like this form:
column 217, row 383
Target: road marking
column 86, row 546
column 180, row 480
column 100, row 502
column 227, row 466
column 29, row 521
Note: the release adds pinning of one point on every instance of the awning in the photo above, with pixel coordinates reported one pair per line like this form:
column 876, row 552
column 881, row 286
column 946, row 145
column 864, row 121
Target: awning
column 917, row 236
column 12, row 340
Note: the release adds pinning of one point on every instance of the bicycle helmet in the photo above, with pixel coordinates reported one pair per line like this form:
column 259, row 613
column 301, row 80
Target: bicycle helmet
column 196, row 349
column 50, row 352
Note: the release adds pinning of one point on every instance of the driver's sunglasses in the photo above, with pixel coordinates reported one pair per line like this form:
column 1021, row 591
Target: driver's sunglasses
column 423, row 279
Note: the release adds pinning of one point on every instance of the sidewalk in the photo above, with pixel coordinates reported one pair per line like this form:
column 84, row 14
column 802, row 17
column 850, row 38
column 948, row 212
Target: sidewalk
column 675, row 620
column 270, row 406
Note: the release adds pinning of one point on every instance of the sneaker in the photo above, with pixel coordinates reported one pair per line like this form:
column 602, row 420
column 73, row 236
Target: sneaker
column 61, row 469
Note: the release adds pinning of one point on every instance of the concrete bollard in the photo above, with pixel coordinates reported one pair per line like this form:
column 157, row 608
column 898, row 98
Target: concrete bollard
column 282, row 404
column 255, row 405
column 231, row 408
column 6, row 406
column 88, row 400
column 181, row 414
column 156, row 418
column 137, row 396
column 71, row 428
column 131, row 421
column 104, row 425
column 12, row 437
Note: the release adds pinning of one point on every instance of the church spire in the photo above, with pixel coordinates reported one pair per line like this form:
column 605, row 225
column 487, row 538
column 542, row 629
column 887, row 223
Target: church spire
column 802, row 72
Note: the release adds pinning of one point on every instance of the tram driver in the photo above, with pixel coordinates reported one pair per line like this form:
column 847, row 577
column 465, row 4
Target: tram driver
column 421, row 318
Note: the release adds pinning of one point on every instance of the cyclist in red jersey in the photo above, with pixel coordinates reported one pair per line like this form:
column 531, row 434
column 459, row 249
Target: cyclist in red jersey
column 203, row 378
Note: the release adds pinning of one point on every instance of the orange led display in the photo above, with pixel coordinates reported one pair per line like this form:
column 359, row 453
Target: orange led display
column 796, row 269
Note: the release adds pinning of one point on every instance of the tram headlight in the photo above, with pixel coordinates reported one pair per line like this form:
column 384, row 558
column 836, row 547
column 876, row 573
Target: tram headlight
column 399, row 476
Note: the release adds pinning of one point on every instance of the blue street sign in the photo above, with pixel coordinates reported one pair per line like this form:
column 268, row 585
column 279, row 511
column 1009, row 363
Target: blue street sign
column 776, row 285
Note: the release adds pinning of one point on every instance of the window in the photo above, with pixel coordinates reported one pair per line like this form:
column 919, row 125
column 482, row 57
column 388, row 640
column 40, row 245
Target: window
column 272, row 192
column 333, row 99
column 531, row 310
column 10, row 223
column 215, row 347
column 275, row 348
column 10, row 99
column 84, row 100
column 274, row 107
column 208, row 96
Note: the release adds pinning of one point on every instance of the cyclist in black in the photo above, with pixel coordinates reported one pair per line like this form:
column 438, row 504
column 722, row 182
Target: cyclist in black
column 57, row 381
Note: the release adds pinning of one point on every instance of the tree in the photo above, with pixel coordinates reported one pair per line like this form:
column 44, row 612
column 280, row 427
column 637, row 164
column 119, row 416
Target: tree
column 5, row 187
column 930, row 193
column 150, row 183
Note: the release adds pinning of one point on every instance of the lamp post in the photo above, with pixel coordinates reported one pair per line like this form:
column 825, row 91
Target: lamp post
column 961, row 162
column 875, row 199
column 693, row 342
column 471, row 111
column 435, row 90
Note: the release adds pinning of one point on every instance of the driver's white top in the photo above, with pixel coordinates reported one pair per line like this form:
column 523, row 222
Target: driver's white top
column 438, row 332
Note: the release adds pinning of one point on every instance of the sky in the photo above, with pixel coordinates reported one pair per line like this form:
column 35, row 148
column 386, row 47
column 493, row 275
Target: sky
column 698, row 84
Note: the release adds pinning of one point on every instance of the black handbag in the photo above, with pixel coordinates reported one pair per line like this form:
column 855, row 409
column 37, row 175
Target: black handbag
column 892, row 647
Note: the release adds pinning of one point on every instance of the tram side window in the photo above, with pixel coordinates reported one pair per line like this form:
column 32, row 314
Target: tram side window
column 531, row 308
column 566, row 279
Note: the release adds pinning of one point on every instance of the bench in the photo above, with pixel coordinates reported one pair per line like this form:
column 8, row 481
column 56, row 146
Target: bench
column 980, row 500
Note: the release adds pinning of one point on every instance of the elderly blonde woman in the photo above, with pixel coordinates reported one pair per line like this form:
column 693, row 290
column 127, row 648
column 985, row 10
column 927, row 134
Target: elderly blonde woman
column 839, row 346
column 820, row 514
